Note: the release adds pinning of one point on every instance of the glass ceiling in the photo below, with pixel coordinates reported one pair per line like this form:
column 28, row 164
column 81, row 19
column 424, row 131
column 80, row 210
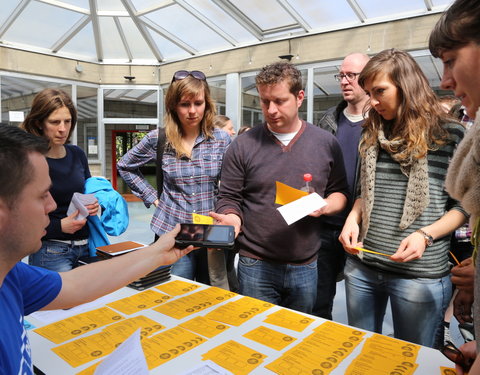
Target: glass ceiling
column 162, row 31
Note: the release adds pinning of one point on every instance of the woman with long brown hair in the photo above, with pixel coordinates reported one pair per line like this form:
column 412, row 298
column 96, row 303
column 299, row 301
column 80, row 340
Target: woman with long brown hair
column 191, row 163
column 402, row 210
column 53, row 116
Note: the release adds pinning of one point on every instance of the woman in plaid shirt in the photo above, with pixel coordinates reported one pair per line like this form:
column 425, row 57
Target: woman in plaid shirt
column 191, row 164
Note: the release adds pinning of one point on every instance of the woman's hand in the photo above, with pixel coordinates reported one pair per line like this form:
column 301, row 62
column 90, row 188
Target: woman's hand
column 412, row 247
column 469, row 351
column 92, row 208
column 70, row 225
column 349, row 236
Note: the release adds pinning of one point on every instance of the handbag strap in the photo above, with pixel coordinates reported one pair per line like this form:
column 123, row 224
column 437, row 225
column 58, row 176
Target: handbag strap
column 162, row 138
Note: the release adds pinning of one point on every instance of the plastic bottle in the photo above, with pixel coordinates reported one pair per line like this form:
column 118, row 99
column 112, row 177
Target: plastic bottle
column 307, row 177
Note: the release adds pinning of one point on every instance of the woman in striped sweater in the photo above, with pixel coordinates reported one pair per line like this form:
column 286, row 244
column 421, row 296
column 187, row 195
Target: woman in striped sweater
column 402, row 210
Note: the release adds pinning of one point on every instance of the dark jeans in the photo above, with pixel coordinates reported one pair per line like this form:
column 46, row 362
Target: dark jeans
column 330, row 262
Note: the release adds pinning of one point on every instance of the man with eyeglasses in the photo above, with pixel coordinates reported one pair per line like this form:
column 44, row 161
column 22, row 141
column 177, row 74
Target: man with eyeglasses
column 278, row 261
column 345, row 122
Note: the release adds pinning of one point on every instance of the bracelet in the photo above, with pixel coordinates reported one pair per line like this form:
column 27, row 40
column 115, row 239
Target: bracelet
column 426, row 236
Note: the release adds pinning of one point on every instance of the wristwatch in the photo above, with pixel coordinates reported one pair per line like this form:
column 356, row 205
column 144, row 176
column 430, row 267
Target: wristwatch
column 428, row 238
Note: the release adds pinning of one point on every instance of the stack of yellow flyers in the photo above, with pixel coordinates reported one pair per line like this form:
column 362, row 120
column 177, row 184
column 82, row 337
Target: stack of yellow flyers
column 237, row 312
column 168, row 345
column 235, row 357
column 270, row 338
column 320, row 352
column 385, row 355
column 205, row 327
column 177, row 287
column 77, row 325
column 195, row 302
column 139, row 302
column 84, row 350
column 289, row 319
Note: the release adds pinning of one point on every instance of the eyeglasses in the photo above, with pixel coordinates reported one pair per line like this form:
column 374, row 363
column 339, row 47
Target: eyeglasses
column 182, row 74
column 454, row 354
column 349, row 76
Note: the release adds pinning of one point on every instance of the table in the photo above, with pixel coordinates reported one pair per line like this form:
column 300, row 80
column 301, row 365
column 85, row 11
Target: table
column 46, row 360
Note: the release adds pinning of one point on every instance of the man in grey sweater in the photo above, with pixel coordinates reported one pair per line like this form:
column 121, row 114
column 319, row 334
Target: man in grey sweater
column 278, row 261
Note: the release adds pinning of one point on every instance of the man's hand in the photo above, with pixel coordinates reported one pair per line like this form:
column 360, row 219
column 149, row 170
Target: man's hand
column 70, row 225
column 463, row 275
column 462, row 306
column 166, row 246
column 469, row 351
column 228, row 219
column 92, row 208
column 412, row 247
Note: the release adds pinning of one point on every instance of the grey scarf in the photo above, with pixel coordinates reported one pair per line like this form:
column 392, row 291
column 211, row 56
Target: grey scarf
column 416, row 170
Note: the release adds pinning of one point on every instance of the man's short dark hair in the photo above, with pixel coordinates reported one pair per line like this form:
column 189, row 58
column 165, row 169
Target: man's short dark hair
column 279, row 72
column 16, row 170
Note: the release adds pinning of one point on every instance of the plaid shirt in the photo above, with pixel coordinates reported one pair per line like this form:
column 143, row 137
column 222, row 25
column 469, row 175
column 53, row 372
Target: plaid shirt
column 189, row 185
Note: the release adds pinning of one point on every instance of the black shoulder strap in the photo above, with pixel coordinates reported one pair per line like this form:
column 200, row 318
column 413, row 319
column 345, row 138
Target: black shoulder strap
column 162, row 139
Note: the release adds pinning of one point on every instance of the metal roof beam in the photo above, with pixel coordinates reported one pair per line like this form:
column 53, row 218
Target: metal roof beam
column 141, row 28
column 207, row 22
column 154, row 8
column 429, row 5
column 16, row 12
column 61, row 4
column 295, row 15
column 169, row 36
column 74, row 30
column 238, row 16
column 96, row 29
column 123, row 37
column 358, row 10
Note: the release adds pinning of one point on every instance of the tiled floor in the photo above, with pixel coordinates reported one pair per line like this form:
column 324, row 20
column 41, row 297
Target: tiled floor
column 139, row 230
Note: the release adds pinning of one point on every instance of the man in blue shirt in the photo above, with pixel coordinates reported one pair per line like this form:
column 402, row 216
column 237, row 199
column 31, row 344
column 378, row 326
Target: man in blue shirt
column 25, row 202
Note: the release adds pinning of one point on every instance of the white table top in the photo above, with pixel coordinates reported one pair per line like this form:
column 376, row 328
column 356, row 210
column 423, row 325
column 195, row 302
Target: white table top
column 45, row 359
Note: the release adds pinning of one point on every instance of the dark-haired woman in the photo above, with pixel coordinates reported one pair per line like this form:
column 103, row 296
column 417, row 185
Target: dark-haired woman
column 53, row 116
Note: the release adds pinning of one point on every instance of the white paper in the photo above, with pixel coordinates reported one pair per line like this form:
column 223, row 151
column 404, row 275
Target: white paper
column 302, row 207
column 207, row 368
column 127, row 359
column 16, row 116
column 78, row 202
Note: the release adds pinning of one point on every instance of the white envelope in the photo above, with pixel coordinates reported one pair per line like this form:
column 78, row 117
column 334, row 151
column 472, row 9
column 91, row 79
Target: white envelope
column 302, row 207
column 78, row 202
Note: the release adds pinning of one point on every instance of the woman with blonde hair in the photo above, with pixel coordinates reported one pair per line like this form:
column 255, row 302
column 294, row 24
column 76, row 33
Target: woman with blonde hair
column 191, row 161
column 402, row 211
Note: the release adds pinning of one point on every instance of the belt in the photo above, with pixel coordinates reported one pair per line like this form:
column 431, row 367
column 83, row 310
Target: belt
column 73, row 242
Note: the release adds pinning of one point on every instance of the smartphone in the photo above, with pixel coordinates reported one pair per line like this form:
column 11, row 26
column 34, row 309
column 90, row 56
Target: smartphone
column 203, row 235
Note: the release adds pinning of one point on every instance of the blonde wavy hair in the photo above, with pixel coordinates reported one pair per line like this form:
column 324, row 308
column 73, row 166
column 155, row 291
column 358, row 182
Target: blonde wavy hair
column 420, row 118
column 188, row 87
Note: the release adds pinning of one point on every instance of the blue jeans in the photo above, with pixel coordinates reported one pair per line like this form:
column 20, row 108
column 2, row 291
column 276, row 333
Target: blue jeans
column 330, row 262
column 193, row 266
column 418, row 305
column 57, row 256
column 286, row 285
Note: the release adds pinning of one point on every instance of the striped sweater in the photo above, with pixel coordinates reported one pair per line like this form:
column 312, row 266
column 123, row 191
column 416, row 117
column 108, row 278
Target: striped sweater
column 384, row 234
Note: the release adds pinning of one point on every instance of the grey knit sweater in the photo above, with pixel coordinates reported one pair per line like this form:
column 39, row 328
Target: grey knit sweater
column 384, row 234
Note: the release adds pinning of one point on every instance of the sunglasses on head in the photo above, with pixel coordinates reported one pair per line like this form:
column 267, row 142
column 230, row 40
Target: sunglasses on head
column 454, row 354
column 182, row 74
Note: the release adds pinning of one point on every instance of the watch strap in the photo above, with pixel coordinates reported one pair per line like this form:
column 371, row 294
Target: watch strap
column 428, row 238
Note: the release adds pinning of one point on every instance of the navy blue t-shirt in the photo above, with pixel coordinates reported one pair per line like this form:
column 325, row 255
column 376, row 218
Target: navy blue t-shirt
column 68, row 175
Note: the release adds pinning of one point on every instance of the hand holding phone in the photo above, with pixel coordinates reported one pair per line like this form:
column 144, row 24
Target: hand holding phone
column 203, row 235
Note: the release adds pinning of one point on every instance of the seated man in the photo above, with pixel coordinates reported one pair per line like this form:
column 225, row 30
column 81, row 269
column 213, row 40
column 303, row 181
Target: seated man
column 25, row 202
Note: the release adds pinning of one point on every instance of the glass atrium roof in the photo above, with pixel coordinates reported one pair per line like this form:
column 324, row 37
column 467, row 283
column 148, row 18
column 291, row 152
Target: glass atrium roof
column 162, row 31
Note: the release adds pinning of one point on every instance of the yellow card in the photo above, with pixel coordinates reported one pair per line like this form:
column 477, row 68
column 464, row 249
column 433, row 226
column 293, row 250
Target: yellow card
column 205, row 327
column 139, row 301
column 125, row 328
column 447, row 370
column 177, row 287
column 268, row 337
column 289, row 319
column 202, row 219
column 90, row 370
column 239, row 311
column 370, row 251
column 286, row 194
